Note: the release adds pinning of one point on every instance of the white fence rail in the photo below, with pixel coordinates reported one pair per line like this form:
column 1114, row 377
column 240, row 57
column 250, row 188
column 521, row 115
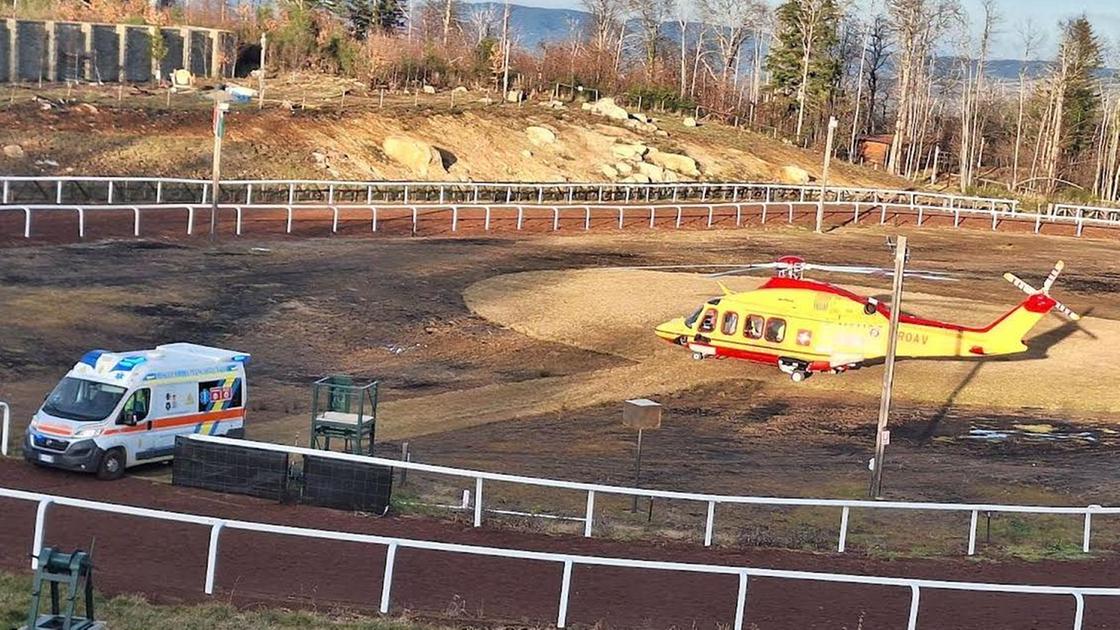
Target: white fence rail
column 568, row 561
column 1084, row 215
column 711, row 500
column 583, row 213
column 82, row 190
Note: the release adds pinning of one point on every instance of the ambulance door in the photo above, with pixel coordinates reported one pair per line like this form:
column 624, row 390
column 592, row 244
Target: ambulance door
column 136, row 418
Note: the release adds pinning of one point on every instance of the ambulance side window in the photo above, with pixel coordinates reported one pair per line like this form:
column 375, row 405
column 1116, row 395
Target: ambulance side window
column 753, row 329
column 138, row 405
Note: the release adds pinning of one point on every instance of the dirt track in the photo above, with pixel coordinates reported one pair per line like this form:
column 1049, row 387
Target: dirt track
column 135, row 555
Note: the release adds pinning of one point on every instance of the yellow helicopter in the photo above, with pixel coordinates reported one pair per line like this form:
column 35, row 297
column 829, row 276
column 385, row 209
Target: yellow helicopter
column 805, row 326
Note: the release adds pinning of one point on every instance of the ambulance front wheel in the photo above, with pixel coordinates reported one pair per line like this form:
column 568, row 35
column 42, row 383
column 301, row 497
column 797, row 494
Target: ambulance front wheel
column 112, row 465
column 798, row 375
column 699, row 356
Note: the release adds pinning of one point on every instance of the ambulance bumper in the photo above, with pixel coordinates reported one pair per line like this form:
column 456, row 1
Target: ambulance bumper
column 81, row 456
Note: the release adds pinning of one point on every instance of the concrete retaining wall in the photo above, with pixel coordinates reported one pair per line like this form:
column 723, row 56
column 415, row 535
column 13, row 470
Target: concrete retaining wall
column 35, row 50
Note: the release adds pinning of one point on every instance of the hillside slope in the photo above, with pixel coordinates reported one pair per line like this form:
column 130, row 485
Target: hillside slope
column 93, row 134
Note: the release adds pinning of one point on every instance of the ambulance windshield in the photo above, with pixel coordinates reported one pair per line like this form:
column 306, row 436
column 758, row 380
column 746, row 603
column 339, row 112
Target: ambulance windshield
column 85, row 401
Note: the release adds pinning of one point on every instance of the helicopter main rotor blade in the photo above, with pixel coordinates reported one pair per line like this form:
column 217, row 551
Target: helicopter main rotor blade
column 881, row 271
column 746, row 268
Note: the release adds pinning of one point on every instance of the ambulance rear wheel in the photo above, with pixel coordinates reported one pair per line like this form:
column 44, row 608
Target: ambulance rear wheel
column 112, row 465
column 699, row 356
column 798, row 375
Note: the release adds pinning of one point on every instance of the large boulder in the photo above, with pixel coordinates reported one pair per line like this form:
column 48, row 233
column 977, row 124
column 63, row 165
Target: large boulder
column 689, row 121
column 417, row 156
column 609, row 171
column 636, row 178
column 607, row 107
column 674, row 162
column 634, row 151
column 652, row 171
column 14, row 151
column 790, row 174
column 429, row 89
column 623, row 168
column 540, row 136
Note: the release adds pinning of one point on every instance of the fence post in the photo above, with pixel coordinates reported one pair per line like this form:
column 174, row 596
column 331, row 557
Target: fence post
column 373, row 210
column 791, row 212
column 248, row 194
column 565, row 590
column 520, row 216
column 738, row 214
column 109, row 196
column 711, row 211
column 159, row 191
column 40, row 526
column 190, row 220
column 912, row 624
column 387, row 581
column 81, row 223
column 843, row 530
column 58, row 193
column 679, row 211
column 486, row 221
column 741, row 602
column 620, row 212
column 765, row 205
column 586, row 217
column 652, row 211
column 4, row 198
column 135, row 221
column 1088, row 527
column 454, row 218
column 855, row 217
column 972, row 534
column 589, row 518
column 26, row 222
column 478, row 501
column 710, row 524
column 238, row 209
column 1079, row 613
column 555, row 218
column 7, row 420
column 414, row 219
column 212, row 557
column 291, row 193
column 288, row 227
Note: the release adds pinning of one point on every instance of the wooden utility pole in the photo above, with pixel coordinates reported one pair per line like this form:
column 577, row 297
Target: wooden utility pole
column 220, row 108
column 881, row 434
column 832, row 123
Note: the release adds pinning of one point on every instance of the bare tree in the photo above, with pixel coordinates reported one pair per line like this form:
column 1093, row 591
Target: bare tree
column 1031, row 38
column 971, row 119
column 916, row 24
column 731, row 22
column 481, row 21
column 649, row 15
column 605, row 28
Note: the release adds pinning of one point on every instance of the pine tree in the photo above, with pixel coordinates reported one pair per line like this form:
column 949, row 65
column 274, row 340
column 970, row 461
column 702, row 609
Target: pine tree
column 360, row 14
column 391, row 15
column 801, row 64
column 1082, row 96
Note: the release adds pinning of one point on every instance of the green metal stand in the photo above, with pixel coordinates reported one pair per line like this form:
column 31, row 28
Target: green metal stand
column 75, row 570
column 343, row 411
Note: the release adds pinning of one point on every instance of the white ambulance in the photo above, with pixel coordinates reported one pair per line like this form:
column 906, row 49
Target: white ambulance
column 119, row 409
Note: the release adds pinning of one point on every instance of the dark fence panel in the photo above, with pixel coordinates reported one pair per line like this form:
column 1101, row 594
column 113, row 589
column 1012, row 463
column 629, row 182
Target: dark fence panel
column 233, row 469
column 346, row 485
column 5, row 50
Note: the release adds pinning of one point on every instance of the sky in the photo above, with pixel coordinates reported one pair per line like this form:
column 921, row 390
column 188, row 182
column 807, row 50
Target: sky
column 1046, row 15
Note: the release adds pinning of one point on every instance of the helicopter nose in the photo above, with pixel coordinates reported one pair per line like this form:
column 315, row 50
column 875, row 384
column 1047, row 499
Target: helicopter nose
column 673, row 330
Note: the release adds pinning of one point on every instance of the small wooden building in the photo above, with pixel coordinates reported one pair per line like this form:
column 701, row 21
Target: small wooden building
column 875, row 150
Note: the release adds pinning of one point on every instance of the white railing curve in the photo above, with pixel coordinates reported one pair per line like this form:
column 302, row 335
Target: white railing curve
column 568, row 561
column 711, row 500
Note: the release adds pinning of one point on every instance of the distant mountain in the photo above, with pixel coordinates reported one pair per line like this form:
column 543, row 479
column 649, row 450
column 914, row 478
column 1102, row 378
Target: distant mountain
column 535, row 25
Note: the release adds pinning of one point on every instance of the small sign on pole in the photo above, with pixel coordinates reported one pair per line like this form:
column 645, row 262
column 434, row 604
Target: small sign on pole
column 640, row 414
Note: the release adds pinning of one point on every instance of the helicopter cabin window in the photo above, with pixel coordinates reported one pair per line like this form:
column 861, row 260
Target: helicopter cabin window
column 753, row 329
column 730, row 323
column 775, row 329
column 708, row 322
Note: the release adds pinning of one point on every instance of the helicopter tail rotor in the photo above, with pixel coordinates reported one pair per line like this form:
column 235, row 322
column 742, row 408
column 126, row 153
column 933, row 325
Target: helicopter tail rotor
column 1045, row 290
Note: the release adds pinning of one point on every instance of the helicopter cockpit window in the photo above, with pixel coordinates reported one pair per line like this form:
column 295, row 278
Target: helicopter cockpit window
column 775, row 329
column 730, row 323
column 690, row 321
column 753, row 329
column 708, row 323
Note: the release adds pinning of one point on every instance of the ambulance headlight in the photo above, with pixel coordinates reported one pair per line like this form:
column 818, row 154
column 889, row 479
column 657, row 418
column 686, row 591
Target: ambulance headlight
column 88, row 432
